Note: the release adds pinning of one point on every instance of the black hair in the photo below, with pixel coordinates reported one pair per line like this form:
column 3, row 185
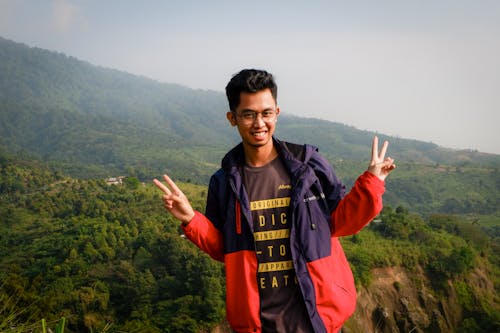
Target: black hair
column 249, row 80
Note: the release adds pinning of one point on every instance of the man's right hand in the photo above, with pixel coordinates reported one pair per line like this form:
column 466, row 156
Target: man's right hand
column 175, row 201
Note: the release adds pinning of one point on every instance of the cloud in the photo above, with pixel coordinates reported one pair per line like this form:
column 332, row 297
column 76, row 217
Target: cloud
column 64, row 15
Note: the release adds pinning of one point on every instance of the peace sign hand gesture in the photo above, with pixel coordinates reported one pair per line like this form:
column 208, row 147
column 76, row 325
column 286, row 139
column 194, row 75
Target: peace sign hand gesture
column 175, row 201
column 380, row 165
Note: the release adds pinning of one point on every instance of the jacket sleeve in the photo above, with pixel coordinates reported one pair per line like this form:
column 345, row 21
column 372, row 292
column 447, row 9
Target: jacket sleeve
column 205, row 235
column 203, row 230
column 359, row 206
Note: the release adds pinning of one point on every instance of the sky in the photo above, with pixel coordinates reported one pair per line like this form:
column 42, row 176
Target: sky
column 426, row 70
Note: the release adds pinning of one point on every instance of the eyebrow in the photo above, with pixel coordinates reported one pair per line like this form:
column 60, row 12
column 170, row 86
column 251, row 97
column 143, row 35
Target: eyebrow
column 250, row 110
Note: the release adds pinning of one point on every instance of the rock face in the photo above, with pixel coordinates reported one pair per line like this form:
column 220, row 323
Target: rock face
column 399, row 301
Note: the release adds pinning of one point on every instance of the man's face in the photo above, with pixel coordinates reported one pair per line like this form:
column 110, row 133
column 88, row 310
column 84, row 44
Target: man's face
column 255, row 118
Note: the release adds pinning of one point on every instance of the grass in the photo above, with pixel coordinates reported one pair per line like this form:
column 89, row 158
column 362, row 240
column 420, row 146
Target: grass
column 489, row 220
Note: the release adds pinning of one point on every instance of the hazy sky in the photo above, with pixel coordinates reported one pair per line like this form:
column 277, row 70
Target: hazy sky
column 426, row 69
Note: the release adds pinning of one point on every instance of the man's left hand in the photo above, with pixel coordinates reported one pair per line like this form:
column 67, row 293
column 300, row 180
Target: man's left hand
column 380, row 165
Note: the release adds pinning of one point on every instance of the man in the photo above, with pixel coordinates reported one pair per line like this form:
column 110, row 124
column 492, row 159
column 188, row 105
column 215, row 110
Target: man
column 274, row 212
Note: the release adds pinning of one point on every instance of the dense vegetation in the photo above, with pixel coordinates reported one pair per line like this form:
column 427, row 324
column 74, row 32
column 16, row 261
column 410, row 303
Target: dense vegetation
column 108, row 258
column 99, row 255
column 444, row 253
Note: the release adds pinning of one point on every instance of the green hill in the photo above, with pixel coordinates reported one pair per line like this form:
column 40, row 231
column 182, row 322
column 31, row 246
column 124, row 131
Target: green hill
column 108, row 258
column 62, row 109
column 92, row 122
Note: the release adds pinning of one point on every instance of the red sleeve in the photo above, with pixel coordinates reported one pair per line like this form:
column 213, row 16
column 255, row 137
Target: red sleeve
column 359, row 206
column 203, row 234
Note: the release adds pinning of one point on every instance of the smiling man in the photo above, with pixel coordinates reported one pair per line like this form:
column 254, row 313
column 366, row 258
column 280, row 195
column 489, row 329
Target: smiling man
column 274, row 213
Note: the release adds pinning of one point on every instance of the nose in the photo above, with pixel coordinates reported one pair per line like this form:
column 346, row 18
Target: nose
column 258, row 121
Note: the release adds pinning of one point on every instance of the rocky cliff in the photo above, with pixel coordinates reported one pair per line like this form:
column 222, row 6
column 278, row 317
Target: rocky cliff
column 400, row 301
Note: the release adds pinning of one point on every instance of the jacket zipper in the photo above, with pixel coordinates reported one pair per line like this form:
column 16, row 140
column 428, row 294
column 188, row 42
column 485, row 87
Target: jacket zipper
column 238, row 217
column 237, row 209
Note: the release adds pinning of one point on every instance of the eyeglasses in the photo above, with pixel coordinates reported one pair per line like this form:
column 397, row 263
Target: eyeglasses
column 248, row 117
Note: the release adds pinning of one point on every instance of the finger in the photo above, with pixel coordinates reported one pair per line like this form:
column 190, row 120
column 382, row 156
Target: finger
column 388, row 164
column 172, row 198
column 167, row 200
column 375, row 148
column 161, row 186
column 391, row 167
column 171, row 183
column 383, row 150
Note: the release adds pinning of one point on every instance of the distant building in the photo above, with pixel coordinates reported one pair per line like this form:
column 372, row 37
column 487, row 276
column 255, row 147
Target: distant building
column 115, row 180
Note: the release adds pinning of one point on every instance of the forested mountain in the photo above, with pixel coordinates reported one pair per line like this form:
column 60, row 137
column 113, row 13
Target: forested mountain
column 88, row 122
column 108, row 258
column 65, row 110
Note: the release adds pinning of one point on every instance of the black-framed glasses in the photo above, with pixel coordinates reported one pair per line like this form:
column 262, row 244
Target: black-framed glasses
column 249, row 117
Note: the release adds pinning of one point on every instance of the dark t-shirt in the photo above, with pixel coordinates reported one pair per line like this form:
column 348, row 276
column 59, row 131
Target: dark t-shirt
column 282, row 305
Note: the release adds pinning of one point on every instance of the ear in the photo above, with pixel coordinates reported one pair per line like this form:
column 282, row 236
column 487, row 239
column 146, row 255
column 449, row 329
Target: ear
column 231, row 118
column 277, row 111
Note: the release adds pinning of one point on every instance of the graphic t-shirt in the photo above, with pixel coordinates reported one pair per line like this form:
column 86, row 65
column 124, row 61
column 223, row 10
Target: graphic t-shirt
column 282, row 305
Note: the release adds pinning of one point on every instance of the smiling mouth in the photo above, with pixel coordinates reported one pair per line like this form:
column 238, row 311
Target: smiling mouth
column 259, row 134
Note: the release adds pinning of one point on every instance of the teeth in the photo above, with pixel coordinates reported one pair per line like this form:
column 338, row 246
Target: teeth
column 260, row 134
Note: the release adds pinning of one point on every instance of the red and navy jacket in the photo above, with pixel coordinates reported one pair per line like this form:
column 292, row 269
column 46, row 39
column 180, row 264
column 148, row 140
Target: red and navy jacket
column 320, row 212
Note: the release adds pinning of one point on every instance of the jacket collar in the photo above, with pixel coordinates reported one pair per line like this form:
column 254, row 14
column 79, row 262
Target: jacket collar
column 295, row 157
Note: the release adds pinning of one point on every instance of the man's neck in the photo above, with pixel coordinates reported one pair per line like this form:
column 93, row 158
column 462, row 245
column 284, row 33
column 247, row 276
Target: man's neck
column 259, row 156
